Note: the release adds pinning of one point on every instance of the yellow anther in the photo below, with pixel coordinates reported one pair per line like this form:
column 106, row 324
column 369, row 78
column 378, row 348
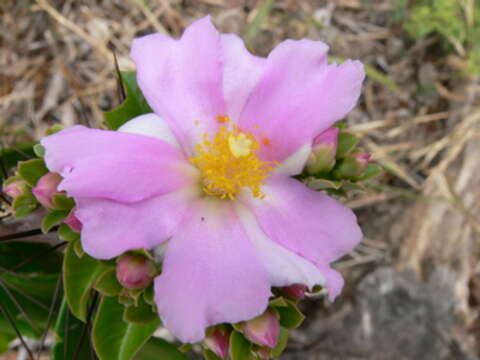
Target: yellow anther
column 240, row 145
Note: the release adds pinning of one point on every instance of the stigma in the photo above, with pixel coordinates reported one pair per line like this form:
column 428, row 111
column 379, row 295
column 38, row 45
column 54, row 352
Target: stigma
column 229, row 163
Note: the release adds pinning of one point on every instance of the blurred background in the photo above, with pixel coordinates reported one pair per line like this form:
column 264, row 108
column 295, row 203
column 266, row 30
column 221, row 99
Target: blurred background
column 413, row 285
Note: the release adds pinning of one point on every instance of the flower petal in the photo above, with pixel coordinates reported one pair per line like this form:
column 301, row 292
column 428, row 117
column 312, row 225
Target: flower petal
column 306, row 222
column 283, row 266
column 150, row 125
column 211, row 273
column 115, row 165
column 298, row 96
column 110, row 228
column 241, row 72
column 182, row 79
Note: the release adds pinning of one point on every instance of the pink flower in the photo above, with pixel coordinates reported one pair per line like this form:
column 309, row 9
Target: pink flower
column 263, row 330
column 210, row 172
column 72, row 221
column 218, row 341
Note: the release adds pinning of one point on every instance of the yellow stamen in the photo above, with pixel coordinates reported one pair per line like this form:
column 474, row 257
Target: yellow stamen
column 230, row 163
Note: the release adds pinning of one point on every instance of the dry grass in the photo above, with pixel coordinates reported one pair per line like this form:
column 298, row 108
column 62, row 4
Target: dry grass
column 419, row 116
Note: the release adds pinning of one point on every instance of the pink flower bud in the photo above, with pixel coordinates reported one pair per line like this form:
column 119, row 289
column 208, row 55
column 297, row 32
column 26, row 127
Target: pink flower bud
column 263, row 330
column 263, row 353
column 134, row 271
column 354, row 165
column 15, row 188
column 296, row 291
column 324, row 148
column 45, row 189
column 72, row 221
column 218, row 340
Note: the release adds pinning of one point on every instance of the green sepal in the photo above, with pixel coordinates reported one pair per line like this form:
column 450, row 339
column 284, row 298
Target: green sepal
column 290, row 316
column 39, row 150
column 77, row 247
column 210, row 355
column 107, row 283
column 349, row 186
column 323, row 184
column 52, row 219
column 278, row 302
column 134, row 105
column 371, row 171
column 140, row 314
column 24, row 204
column 66, row 233
column 240, row 348
column 125, row 299
column 149, row 295
column 346, row 143
column 63, row 202
column 281, row 344
column 11, row 179
column 32, row 170
column 79, row 276
column 135, row 294
column 54, row 129
column 185, row 348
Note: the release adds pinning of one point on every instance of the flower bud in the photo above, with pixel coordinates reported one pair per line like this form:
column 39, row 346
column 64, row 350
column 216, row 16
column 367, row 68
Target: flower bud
column 354, row 165
column 46, row 188
column 15, row 188
column 72, row 221
column 324, row 148
column 218, row 340
column 263, row 353
column 263, row 330
column 296, row 291
column 134, row 271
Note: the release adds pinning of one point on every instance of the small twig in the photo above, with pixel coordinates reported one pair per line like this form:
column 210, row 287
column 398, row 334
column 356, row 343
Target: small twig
column 7, row 315
column 121, row 89
column 24, row 234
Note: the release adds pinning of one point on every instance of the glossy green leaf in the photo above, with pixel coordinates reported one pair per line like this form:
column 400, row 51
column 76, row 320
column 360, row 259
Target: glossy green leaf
column 10, row 157
column 24, row 205
column 346, row 143
column 63, row 202
column 67, row 234
column 240, row 348
column 107, row 283
column 140, row 313
column 149, row 295
column 68, row 334
column 157, row 349
column 134, row 105
column 79, row 276
column 290, row 316
column 32, row 170
column 52, row 219
column 39, row 150
column 5, row 340
column 115, row 339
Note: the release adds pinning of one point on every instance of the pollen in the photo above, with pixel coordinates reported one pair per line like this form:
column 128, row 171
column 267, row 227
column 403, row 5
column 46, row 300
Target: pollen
column 229, row 163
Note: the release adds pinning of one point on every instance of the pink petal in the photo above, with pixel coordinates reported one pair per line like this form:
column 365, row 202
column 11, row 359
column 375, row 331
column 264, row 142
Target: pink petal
column 241, row 73
column 298, row 96
column 308, row 223
column 115, row 165
column 110, row 228
column 182, row 79
column 211, row 273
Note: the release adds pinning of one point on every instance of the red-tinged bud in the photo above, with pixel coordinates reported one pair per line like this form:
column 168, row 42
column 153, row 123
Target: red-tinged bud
column 324, row 149
column 15, row 188
column 135, row 271
column 353, row 166
column 263, row 330
column 72, row 221
column 46, row 188
column 218, row 340
column 296, row 291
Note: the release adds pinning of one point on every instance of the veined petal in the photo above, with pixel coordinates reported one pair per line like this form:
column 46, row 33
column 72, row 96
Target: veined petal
column 110, row 228
column 298, row 96
column 307, row 223
column 182, row 79
column 115, row 165
column 211, row 273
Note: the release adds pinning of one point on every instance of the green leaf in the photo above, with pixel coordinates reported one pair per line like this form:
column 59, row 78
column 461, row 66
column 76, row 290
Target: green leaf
column 210, row 355
column 107, row 283
column 158, row 349
column 24, row 205
column 149, row 295
column 282, row 343
column 322, row 184
column 32, row 170
column 372, row 171
column 63, row 202
column 79, row 276
column 68, row 332
column 279, row 301
column 52, row 219
column 140, row 314
column 14, row 253
column 346, row 143
column 290, row 316
column 240, row 348
column 255, row 25
column 39, row 150
column 10, row 157
column 77, row 247
column 66, row 233
column 134, row 105
column 115, row 339
column 5, row 340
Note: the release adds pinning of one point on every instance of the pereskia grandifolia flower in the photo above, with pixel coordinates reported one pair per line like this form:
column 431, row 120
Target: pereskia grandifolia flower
column 209, row 174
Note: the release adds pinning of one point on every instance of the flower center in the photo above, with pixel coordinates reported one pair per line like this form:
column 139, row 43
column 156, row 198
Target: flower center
column 230, row 162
